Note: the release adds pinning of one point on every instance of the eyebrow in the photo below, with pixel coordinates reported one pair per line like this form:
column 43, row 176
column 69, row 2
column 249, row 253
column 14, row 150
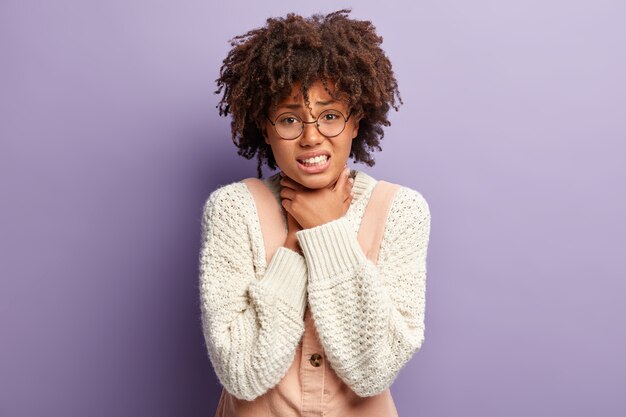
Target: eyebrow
column 298, row 106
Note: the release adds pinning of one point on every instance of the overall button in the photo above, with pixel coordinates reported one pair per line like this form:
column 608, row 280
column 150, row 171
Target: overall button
column 315, row 359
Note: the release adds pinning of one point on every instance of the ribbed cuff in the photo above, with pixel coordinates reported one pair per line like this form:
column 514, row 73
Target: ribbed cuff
column 330, row 249
column 286, row 276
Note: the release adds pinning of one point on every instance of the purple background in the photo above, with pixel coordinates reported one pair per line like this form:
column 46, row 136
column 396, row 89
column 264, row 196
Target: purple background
column 513, row 129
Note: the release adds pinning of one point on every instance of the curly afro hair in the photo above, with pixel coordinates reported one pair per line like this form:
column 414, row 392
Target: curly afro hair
column 264, row 63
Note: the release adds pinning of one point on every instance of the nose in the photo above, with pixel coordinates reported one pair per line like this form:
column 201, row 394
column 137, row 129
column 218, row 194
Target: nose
column 310, row 135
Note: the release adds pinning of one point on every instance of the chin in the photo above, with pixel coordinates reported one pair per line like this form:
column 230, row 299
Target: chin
column 315, row 182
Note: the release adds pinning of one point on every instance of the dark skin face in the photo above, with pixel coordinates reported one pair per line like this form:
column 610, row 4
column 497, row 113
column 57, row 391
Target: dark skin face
column 312, row 199
column 286, row 151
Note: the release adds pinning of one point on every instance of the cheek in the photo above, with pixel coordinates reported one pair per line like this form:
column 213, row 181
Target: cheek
column 282, row 151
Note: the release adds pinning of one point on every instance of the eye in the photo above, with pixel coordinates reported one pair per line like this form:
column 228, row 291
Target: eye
column 330, row 117
column 287, row 120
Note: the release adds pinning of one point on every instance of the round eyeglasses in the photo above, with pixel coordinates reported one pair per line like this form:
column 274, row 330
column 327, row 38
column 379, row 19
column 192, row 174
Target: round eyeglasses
column 329, row 123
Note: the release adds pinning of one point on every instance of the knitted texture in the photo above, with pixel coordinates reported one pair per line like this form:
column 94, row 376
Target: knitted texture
column 369, row 317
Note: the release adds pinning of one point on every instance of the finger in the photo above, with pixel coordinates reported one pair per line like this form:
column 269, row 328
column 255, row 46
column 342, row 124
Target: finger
column 349, row 195
column 286, row 204
column 347, row 202
column 292, row 222
column 289, row 183
column 337, row 181
column 349, row 184
column 343, row 177
column 287, row 193
column 285, row 179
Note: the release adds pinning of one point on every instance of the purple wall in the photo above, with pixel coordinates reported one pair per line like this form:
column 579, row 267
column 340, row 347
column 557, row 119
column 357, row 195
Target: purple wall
column 513, row 128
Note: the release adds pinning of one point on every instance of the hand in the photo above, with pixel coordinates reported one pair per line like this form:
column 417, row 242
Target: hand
column 314, row 207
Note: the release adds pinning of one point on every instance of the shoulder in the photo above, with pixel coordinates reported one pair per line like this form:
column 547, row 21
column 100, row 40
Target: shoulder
column 409, row 217
column 231, row 202
column 410, row 203
column 407, row 201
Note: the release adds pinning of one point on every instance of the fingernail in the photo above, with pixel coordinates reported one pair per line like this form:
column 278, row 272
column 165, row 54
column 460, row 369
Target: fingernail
column 351, row 180
column 282, row 174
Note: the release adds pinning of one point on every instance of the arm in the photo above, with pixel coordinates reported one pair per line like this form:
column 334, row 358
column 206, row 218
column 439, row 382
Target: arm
column 251, row 326
column 370, row 318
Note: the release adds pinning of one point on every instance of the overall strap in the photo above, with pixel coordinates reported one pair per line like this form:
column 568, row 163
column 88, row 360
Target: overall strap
column 273, row 227
column 372, row 227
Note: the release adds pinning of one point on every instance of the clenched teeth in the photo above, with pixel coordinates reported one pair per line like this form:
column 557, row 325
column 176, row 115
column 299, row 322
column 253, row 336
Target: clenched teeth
column 315, row 160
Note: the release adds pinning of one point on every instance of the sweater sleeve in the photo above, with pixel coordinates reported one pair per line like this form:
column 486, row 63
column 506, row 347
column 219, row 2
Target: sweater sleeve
column 370, row 317
column 251, row 326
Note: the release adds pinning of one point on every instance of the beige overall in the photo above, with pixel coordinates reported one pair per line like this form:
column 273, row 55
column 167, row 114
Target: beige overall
column 311, row 387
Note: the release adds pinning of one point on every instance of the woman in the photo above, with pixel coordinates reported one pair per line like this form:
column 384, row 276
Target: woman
column 317, row 327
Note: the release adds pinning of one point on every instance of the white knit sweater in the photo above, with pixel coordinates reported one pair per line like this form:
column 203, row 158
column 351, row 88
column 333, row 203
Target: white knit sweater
column 370, row 318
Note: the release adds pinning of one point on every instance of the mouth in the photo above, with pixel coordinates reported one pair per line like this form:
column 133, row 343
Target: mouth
column 315, row 164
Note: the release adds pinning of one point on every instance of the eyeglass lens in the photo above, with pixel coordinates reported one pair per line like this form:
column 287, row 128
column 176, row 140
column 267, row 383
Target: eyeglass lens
column 330, row 123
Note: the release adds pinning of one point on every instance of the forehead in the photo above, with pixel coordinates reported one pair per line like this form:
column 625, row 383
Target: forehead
column 317, row 95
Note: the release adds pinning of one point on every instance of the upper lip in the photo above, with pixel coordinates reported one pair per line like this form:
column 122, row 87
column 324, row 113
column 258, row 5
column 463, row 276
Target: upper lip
column 313, row 154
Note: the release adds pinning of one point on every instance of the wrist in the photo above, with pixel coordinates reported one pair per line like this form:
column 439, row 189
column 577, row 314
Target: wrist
column 292, row 243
